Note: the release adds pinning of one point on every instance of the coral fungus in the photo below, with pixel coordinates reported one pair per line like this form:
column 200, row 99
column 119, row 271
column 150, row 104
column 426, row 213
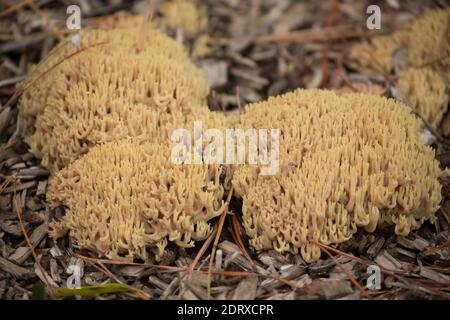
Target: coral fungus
column 184, row 14
column 425, row 39
column 100, row 116
column 126, row 197
column 98, row 93
column 424, row 79
column 426, row 91
column 345, row 163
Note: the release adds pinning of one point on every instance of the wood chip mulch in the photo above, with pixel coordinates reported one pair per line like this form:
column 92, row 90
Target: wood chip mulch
column 255, row 49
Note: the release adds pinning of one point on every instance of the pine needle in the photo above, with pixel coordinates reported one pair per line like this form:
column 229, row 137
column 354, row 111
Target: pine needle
column 348, row 273
column 216, row 240
column 18, row 92
column 18, row 211
column 238, row 239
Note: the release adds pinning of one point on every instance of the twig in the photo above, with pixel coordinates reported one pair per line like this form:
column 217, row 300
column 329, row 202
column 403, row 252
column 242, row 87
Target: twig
column 194, row 263
column 202, row 251
column 346, row 80
column 238, row 239
column 18, row 210
column 397, row 274
column 255, row 10
column 129, row 263
column 23, row 42
column 7, row 37
column 248, row 274
column 383, row 295
column 101, row 267
column 339, row 63
column 11, row 81
column 48, row 21
column 431, row 250
column 350, row 276
column 14, row 8
column 6, row 182
column 216, row 240
column 139, row 293
column 320, row 34
column 328, row 42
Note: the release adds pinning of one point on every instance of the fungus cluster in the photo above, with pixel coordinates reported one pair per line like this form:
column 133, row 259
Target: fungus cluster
column 345, row 163
column 93, row 96
column 105, row 89
column 425, row 82
column 100, row 116
column 427, row 92
column 375, row 55
column 125, row 197
column 185, row 14
column 425, row 39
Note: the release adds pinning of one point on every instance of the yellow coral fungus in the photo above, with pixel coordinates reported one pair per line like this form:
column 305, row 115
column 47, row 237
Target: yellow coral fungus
column 98, row 94
column 426, row 90
column 425, row 39
column 375, row 55
column 125, row 198
column 101, row 120
column 345, row 162
column 61, row 139
column 157, row 75
column 427, row 43
column 184, row 14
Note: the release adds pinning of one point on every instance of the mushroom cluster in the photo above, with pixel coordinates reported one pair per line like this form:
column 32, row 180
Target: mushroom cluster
column 425, row 80
column 187, row 15
column 100, row 117
column 93, row 96
column 125, row 197
column 427, row 92
column 345, row 163
column 107, row 88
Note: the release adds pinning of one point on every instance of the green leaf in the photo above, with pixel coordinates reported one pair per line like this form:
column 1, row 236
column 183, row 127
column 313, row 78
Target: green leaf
column 93, row 291
column 431, row 251
column 4, row 146
column 38, row 291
